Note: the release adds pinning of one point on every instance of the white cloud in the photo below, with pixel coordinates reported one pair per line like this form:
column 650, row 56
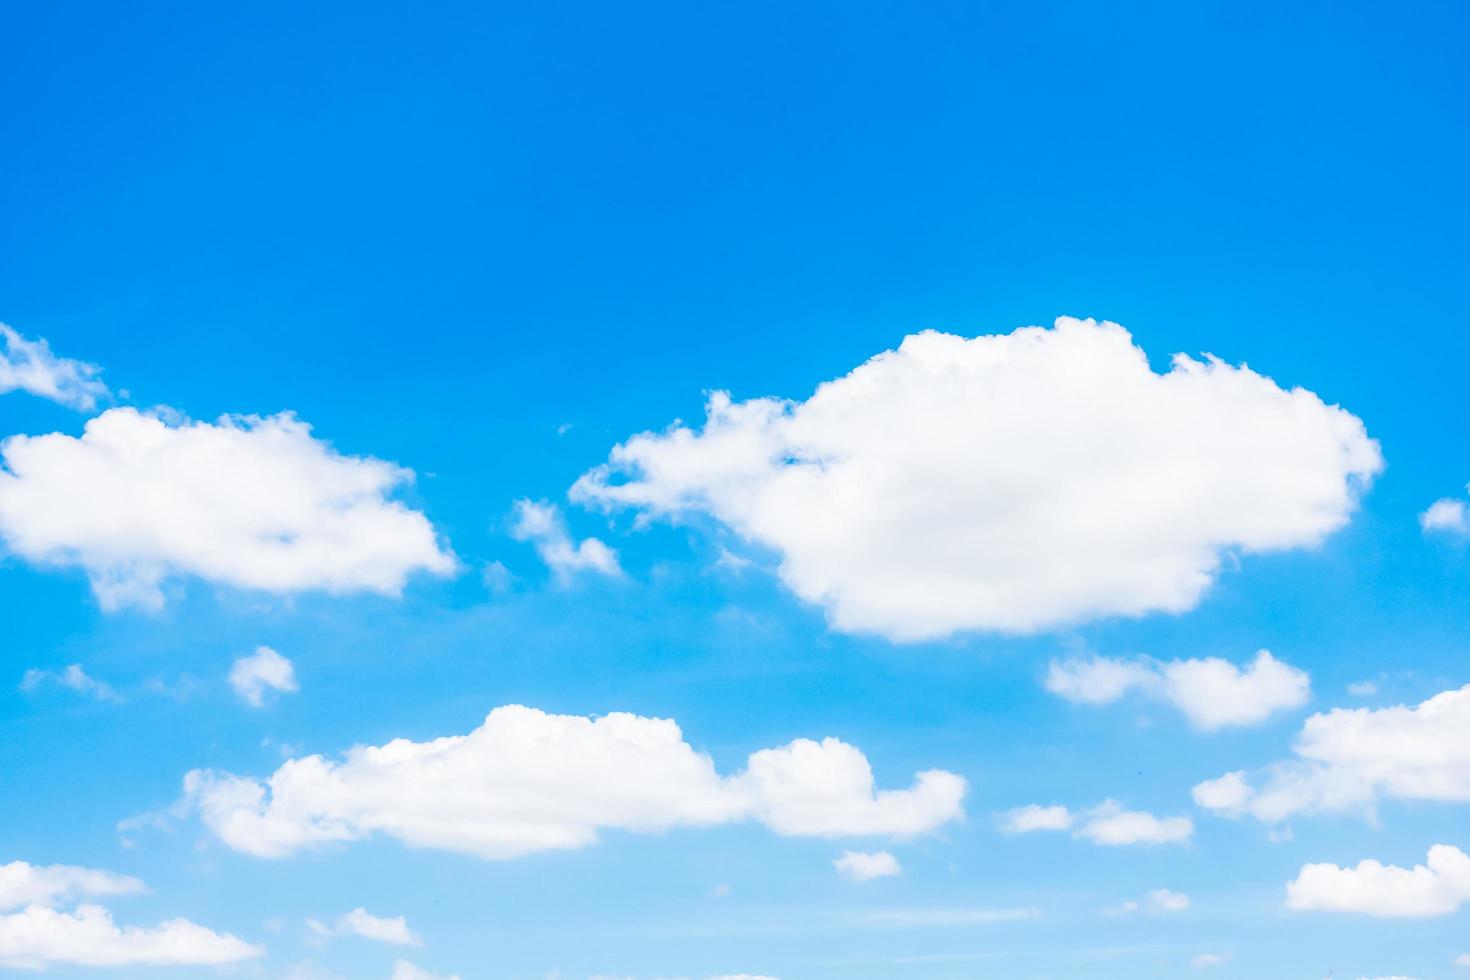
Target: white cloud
column 262, row 671
column 542, row 524
column 527, row 781
column 255, row 503
column 1108, row 824
column 1349, row 757
column 38, row 937
column 361, row 922
column 1463, row 959
column 23, row 884
column 1212, row 693
column 1363, row 689
column 1168, row 901
column 1437, row 887
column 1205, row 961
column 29, row 365
column 1033, row 816
column 1159, row 900
column 73, row 678
column 1447, row 516
column 1010, row 483
column 404, row 970
column 861, row 866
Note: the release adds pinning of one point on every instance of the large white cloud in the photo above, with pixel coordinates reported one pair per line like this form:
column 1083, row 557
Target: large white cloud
column 29, row 365
column 1437, row 887
column 527, row 781
column 1008, row 482
column 256, row 503
column 1349, row 758
column 1211, row 692
column 22, row 884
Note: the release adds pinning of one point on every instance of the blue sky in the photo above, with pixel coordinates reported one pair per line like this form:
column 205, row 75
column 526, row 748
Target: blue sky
column 476, row 249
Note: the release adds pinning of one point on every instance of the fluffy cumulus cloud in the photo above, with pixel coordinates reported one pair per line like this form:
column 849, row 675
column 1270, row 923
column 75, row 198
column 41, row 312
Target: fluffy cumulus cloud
column 527, row 781
column 361, row 922
column 1349, row 758
column 1437, row 887
column 29, row 365
column 542, row 525
column 1109, row 824
column 1212, row 693
column 254, row 676
column 39, row 935
column 254, row 503
column 23, row 884
column 1008, row 482
column 1446, row 516
column 865, row 866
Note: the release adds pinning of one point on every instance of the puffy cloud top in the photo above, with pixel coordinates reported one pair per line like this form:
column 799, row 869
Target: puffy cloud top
column 527, row 781
column 1010, row 482
column 255, row 503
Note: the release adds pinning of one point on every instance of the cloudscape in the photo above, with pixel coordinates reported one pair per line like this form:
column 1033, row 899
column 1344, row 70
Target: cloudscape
column 690, row 492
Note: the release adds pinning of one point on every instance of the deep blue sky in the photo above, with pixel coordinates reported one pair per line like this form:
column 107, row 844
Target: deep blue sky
column 439, row 233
